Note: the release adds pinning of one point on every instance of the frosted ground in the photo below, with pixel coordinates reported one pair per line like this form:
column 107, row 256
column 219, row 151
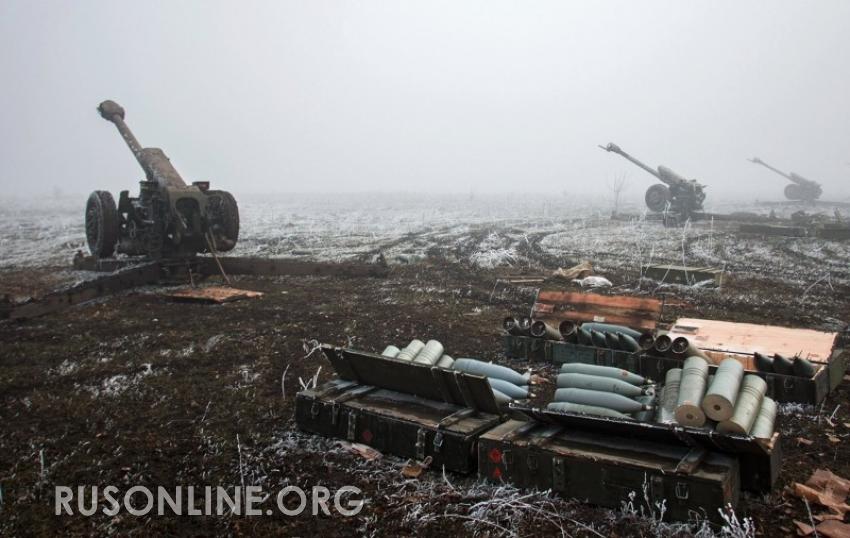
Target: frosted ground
column 482, row 230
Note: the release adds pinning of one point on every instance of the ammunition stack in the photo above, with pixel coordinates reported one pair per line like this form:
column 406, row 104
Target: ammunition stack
column 507, row 385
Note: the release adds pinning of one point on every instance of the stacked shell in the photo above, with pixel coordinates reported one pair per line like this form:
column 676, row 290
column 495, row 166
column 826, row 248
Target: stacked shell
column 602, row 391
column 505, row 383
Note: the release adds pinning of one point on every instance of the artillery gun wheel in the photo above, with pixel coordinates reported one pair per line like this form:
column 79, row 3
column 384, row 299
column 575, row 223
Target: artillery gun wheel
column 657, row 197
column 225, row 216
column 102, row 224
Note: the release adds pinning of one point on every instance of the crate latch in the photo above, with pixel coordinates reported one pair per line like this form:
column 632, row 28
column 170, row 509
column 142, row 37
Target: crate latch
column 682, row 491
column 352, row 426
column 315, row 409
column 438, row 441
column 559, row 474
column 420, row 443
column 531, row 462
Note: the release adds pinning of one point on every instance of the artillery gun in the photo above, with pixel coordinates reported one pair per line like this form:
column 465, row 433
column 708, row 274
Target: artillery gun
column 169, row 219
column 800, row 188
column 678, row 195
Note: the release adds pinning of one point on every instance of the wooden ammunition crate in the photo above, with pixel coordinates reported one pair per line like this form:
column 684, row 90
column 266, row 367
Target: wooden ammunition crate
column 605, row 470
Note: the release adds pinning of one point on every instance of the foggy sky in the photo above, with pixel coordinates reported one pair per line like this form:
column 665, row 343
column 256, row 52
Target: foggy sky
column 426, row 96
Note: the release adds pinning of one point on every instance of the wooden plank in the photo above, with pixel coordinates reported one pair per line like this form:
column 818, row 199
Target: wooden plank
column 646, row 304
column 748, row 338
column 637, row 312
column 213, row 294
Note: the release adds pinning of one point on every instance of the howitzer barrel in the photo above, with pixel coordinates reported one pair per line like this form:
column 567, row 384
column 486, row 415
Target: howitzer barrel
column 616, row 149
column 153, row 161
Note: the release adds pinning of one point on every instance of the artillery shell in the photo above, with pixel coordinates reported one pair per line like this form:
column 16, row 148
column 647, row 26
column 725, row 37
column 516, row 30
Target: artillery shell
column 584, row 337
column 486, row 369
column 669, row 397
column 508, row 389
column 567, row 407
column 627, row 343
column 600, row 383
column 568, row 330
column 663, row 343
column 430, row 354
column 608, row 400
column 445, row 362
column 646, row 414
column 501, row 397
column 753, row 390
column 691, row 392
column 763, row 363
column 612, row 341
column 719, row 401
column 604, row 371
column 598, row 339
column 803, row 367
column 764, row 425
column 410, row 351
column 391, row 352
column 782, row 365
column 608, row 328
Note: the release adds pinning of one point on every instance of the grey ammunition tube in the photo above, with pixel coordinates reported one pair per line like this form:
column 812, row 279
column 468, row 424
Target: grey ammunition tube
column 598, row 339
column 508, row 389
column 691, row 392
column 568, row 330
column 782, row 365
column 663, row 343
column 600, row 383
column 608, row 400
column 410, row 351
column 511, row 325
column 645, row 415
column 445, row 362
column 764, row 425
column 669, row 398
column 612, row 341
column 430, row 354
column 486, row 369
column 604, row 371
column 646, row 341
column 763, row 363
column 682, row 347
column 628, row 343
column 390, row 351
column 719, row 401
column 608, row 328
column 541, row 329
column 584, row 337
column 501, row 397
column 753, row 390
column 566, row 407
column 803, row 367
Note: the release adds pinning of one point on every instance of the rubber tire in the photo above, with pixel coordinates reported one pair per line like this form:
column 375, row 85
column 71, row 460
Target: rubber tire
column 657, row 197
column 229, row 218
column 103, row 224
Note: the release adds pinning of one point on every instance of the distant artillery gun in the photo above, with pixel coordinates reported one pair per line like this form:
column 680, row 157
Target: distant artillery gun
column 169, row 219
column 675, row 194
column 800, row 188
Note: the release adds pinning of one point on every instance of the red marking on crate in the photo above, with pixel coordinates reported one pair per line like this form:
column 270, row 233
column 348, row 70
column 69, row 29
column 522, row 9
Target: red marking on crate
column 367, row 436
column 495, row 455
column 497, row 473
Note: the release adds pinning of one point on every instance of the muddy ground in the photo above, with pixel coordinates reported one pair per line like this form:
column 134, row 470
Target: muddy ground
column 138, row 389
